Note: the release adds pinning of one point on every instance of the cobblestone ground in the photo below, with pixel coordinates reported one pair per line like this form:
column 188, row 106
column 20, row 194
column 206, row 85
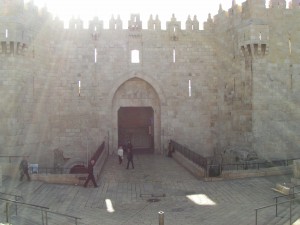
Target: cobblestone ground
column 135, row 196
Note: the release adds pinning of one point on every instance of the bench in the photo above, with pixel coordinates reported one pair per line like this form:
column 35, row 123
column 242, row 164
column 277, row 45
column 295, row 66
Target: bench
column 284, row 189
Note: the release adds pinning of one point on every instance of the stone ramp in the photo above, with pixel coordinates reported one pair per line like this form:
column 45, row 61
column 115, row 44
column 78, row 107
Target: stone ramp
column 158, row 183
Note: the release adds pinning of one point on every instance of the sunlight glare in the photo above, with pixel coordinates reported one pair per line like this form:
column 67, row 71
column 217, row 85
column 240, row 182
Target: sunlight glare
column 297, row 222
column 201, row 199
column 109, row 206
column 88, row 9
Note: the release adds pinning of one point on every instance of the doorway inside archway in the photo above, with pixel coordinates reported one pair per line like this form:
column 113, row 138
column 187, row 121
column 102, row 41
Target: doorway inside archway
column 135, row 124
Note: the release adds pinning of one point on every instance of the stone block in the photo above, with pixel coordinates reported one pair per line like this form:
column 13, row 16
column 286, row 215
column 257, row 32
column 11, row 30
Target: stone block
column 0, row 176
column 296, row 168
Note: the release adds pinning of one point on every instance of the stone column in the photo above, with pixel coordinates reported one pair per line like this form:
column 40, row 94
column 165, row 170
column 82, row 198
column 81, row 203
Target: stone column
column 296, row 171
column 296, row 168
column 0, row 176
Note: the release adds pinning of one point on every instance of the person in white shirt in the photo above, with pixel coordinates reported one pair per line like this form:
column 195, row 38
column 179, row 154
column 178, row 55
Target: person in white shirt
column 120, row 154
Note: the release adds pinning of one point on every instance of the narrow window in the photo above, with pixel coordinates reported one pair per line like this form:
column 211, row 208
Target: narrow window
column 154, row 26
column 75, row 26
column 190, row 88
column 233, row 84
column 79, row 87
column 95, row 55
column 290, row 46
column 95, row 28
column 259, row 35
column 115, row 26
column 174, row 55
column 6, row 33
column 174, row 29
column 135, row 56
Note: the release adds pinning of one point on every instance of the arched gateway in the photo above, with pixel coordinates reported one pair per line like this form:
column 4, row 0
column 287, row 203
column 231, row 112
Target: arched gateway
column 136, row 113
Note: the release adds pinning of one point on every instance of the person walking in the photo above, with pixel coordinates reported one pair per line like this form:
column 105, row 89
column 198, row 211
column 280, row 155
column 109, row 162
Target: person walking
column 130, row 158
column 120, row 154
column 91, row 174
column 129, row 145
column 24, row 169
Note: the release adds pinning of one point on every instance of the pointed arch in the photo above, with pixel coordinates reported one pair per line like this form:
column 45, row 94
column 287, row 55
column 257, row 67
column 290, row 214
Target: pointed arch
column 156, row 101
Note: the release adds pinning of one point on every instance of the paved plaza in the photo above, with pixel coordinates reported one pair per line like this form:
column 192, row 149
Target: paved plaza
column 157, row 183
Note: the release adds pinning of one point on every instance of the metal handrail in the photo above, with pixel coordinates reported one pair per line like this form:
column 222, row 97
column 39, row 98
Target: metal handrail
column 205, row 163
column 8, row 201
column 276, row 204
column 256, row 165
column 192, row 156
column 62, row 214
column 17, row 198
column 44, row 210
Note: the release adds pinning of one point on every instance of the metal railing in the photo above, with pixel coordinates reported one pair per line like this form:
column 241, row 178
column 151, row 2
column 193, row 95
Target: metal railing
column 61, row 214
column 44, row 211
column 192, row 156
column 17, row 198
column 10, row 202
column 258, row 165
column 215, row 168
column 290, row 201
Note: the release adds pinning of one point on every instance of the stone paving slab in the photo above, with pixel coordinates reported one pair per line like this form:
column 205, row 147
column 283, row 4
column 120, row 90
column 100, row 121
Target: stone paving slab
column 183, row 198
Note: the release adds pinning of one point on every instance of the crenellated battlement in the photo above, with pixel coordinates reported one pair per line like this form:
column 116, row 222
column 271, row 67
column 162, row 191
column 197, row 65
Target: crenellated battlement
column 21, row 24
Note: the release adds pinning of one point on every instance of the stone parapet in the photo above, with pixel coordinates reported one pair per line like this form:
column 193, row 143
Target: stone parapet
column 296, row 169
column 0, row 176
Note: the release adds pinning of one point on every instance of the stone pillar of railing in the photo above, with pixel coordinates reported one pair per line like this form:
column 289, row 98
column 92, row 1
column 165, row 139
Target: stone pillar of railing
column 0, row 176
column 296, row 172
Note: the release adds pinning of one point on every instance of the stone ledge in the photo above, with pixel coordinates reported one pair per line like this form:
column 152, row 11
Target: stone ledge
column 74, row 179
column 196, row 170
column 232, row 174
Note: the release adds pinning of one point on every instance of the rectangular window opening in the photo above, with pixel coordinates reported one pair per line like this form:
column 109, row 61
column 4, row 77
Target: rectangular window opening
column 79, row 87
column 174, row 55
column 190, row 88
column 6, row 33
column 95, row 55
column 260, row 36
column 135, row 56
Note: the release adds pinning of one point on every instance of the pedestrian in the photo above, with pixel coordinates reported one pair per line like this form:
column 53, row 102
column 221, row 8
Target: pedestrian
column 91, row 174
column 130, row 158
column 129, row 145
column 24, row 169
column 170, row 149
column 120, row 154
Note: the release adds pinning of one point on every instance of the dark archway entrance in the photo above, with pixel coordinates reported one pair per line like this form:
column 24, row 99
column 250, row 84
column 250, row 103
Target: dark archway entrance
column 135, row 124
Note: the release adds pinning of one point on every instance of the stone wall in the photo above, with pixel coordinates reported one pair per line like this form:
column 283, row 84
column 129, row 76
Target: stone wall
column 233, row 84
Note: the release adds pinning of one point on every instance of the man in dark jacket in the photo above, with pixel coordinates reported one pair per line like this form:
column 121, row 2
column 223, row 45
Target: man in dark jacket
column 91, row 174
column 130, row 158
column 24, row 169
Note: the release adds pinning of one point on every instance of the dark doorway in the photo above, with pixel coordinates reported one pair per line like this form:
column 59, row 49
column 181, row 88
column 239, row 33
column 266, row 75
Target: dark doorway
column 135, row 124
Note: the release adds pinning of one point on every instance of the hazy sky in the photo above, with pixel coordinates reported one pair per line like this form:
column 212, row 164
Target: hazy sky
column 104, row 9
